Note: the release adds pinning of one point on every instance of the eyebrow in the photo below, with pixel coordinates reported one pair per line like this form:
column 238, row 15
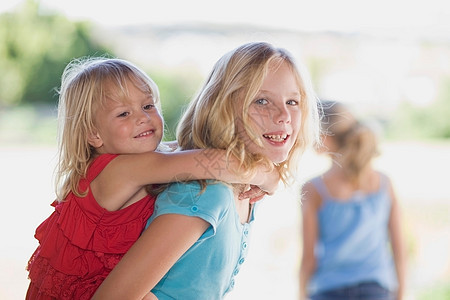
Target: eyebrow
column 293, row 94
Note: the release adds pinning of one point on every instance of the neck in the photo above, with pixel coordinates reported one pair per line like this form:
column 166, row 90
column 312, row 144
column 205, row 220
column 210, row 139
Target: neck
column 336, row 170
column 243, row 206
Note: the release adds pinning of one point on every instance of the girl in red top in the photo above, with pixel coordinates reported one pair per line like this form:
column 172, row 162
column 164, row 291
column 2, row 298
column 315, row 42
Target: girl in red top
column 110, row 134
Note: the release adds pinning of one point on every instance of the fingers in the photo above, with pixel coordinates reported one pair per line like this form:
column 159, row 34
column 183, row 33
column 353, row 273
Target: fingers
column 254, row 193
column 254, row 200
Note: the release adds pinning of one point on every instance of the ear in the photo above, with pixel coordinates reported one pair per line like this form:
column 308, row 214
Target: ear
column 95, row 140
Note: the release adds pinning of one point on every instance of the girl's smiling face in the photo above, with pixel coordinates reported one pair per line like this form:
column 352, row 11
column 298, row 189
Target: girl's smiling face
column 131, row 125
column 274, row 115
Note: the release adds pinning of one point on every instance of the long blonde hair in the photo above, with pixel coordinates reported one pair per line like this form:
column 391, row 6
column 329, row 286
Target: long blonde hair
column 85, row 84
column 356, row 142
column 211, row 117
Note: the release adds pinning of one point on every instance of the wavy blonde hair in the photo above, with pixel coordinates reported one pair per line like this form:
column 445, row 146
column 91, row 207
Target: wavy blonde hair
column 85, row 85
column 356, row 142
column 211, row 118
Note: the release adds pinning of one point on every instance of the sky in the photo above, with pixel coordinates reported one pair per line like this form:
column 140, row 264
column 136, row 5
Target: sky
column 410, row 18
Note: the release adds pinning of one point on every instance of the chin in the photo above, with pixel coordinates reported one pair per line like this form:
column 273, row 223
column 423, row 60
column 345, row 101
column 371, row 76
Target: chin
column 278, row 159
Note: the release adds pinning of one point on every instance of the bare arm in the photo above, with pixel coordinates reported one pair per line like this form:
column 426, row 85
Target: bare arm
column 310, row 205
column 397, row 244
column 127, row 174
column 160, row 246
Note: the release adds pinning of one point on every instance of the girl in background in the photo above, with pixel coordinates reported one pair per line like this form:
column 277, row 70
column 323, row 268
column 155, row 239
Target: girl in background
column 351, row 219
column 110, row 129
column 257, row 106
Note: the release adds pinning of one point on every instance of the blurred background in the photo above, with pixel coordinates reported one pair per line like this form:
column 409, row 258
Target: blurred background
column 389, row 60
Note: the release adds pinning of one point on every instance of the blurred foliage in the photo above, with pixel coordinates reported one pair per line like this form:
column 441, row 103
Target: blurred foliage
column 36, row 123
column 28, row 125
column 34, row 49
column 418, row 122
column 440, row 291
column 176, row 89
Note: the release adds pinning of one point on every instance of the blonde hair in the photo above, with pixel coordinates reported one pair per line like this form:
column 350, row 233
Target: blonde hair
column 85, row 85
column 356, row 142
column 211, row 118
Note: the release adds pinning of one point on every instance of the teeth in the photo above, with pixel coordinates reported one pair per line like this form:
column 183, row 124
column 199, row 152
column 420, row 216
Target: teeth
column 145, row 133
column 276, row 137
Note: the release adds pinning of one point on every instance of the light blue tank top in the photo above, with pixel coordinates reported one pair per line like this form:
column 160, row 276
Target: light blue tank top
column 353, row 243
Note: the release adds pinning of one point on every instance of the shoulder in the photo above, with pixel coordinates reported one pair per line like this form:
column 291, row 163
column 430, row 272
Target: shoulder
column 385, row 182
column 193, row 190
column 188, row 198
column 103, row 159
column 311, row 197
column 98, row 164
column 309, row 188
column 387, row 186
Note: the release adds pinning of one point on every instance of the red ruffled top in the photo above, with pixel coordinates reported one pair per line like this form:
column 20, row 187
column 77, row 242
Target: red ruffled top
column 81, row 242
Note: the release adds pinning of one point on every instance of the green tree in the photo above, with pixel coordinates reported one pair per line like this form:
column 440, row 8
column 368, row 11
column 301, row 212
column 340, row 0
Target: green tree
column 176, row 90
column 35, row 48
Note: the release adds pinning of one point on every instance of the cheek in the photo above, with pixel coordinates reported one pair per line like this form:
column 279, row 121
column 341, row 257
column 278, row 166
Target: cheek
column 258, row 117
column 296, row 117
column 161, row 121
column 246, row 139
column 157, row 120
column 120, row 132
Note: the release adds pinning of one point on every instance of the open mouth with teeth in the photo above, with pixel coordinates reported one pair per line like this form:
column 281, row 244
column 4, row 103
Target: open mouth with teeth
column 278, row 138
column 145, row 133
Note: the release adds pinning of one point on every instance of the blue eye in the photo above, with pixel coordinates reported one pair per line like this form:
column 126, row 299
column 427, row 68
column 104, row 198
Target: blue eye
column 292, row 102
column 261, row 101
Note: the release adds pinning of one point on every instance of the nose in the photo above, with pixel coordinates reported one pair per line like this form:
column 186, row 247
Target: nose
column 281, row 115
column 143, row 116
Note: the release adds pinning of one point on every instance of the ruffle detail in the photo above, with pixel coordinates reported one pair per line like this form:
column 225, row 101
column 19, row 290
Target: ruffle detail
column 81, row 242
column 97, row 229
column 47, row 282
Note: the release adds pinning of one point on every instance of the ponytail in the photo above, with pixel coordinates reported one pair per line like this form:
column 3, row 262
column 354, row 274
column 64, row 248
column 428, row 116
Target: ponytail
column 357, row 148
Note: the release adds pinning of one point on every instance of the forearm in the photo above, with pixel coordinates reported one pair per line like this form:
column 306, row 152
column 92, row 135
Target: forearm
column 400, row 268
column 204, row 164
column 162, row 167
column 166, row 239
column 397, row 244
column 306, row 270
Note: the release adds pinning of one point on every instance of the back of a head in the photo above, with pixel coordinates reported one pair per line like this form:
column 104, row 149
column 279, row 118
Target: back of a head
column 355, row 141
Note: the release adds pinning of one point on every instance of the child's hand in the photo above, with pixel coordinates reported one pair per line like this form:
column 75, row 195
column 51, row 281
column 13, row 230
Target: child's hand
column 170, row 146
column 269, row 181
column 254, row 193
column 265, row 183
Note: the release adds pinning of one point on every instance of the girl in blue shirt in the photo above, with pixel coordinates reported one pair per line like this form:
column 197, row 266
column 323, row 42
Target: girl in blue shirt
column 257, row 105
column 350, row 219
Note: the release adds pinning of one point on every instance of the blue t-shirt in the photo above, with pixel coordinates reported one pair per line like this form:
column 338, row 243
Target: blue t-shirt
column 353, row 242
column 208, row 269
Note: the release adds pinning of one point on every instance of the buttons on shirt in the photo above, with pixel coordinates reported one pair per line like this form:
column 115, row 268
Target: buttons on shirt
column 244, row 245
column 243, row 253
column 194, row 209
column 232, row 284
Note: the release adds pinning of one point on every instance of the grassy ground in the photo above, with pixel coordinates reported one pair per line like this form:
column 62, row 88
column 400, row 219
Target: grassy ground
column 419, row 171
